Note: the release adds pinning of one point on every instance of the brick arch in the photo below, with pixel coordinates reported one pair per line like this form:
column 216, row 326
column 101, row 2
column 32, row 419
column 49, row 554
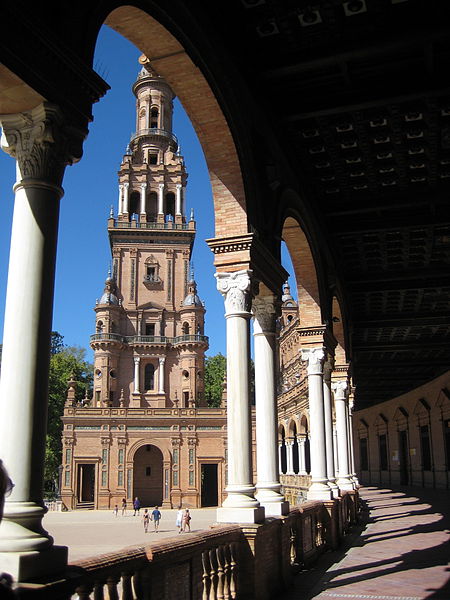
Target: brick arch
column 290, row 428
column 305, row 273
column 338, row 332
column 172, row 62
column 167, row 457
column 304, row 425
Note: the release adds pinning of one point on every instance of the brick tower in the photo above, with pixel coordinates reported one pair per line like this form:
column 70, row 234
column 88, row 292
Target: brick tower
column 147, row 431
column 149, row 343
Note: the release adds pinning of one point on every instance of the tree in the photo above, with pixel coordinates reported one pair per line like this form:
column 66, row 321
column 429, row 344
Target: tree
column 65, row 362
column 215, row 369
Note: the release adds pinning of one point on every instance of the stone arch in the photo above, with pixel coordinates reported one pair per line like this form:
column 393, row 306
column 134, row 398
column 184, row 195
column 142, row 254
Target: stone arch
column 172, row 62
column 303, row 425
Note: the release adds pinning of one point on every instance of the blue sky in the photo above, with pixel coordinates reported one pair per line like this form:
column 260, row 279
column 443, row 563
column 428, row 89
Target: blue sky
column 91, row 188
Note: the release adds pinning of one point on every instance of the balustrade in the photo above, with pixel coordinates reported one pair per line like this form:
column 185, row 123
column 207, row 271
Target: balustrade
column 208, row 565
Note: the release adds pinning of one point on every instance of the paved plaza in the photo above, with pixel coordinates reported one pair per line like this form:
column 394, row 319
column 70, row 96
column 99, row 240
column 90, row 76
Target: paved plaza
column 92, row 532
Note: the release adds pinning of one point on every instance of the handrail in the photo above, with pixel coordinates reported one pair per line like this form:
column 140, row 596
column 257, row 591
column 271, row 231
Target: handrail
column 154, row 131
column 151, row 225
column 147, row 339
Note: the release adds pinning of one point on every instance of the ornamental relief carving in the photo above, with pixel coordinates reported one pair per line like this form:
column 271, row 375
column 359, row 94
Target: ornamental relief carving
column 42, row 143
column 236, row 290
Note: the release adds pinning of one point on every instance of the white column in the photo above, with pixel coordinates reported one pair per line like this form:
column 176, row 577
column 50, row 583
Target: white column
column 319, row 488
column 126, row 187
column 289, row 457
column 143, row 193
column 240, row 506
column 268, row 482
column 178, row 200
column 161, row 199
column 162, row 360
column 301, row 440
column 328, row 415
column 335, row 450
column 350, row 439
column 280, row 455
column 41, row 146
column 120, row 208
column 344, row 481
column 137, row 385
column 183, row 200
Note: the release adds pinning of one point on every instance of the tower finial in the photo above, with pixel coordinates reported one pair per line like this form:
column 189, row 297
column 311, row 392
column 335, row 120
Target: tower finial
column 192, row 214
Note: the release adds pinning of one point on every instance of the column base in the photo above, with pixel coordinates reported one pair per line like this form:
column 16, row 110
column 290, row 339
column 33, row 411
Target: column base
column 275, row 509
column 345, row 484
column 334, row 489
column 240, row 515
column 26, row 566
column 319, row 491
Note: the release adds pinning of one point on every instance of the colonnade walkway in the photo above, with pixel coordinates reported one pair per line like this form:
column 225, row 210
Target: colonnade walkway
column 401, row 551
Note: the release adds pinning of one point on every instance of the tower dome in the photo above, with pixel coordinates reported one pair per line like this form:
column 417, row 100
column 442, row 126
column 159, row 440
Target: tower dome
column 192, row 298
column 109, row 296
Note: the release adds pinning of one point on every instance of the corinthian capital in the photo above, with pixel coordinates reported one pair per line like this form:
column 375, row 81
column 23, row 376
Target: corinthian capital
column 236, row 288
column 340, row 389
column 42, row 142
column 315, row 358
column 264, row 312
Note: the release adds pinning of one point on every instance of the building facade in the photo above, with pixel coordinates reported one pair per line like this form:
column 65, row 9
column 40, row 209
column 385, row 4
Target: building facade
column 147, row 431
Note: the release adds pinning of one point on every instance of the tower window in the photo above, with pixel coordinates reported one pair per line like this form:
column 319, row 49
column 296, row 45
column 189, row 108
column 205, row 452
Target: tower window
column 149, row 377
column 148, row 471
column 151, row 273
column 154, row 118
column 153, row 159
column 149, row 329
column 185, row 328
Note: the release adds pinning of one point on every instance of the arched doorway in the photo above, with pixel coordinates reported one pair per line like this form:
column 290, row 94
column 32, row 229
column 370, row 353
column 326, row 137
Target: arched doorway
column 148, row 475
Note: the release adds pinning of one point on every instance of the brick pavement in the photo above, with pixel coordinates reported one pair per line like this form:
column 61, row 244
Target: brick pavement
column 401, row 551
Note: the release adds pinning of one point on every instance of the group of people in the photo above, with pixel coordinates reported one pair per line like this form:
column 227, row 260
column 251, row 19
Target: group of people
column 183, row 521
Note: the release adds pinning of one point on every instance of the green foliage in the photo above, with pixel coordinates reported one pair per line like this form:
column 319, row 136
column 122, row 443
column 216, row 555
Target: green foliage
column 65, row 362
column 215, row 369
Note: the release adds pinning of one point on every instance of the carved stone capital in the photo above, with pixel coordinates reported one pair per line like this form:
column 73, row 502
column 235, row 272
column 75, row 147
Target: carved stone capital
column 340, row 389
column 176, row 442
column 42, row 142
column 315, row 358
column 264, row 312
column 192, row 442
column 236, row 288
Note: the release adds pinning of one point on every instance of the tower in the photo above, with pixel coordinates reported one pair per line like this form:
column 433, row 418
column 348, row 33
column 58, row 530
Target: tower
column 147, row 431
column 149, row 343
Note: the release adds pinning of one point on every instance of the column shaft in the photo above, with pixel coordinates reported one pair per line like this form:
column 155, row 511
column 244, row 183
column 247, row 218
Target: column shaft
column 319, row 488
column 327, row 403
column 268, row 482
column 137, row 385
column 240, row 504
column 344, row 481
column 161, row 376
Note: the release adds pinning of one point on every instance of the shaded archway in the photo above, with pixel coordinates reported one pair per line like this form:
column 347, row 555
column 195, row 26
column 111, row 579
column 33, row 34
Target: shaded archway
column 148, row 475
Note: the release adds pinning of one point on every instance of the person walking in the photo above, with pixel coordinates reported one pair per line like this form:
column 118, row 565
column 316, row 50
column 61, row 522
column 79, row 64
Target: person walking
column 156, row 516
column 136, row 506
column 187, row 520
column 124, row 506
column 116, row 510
column 179, row 521
column 146, row 520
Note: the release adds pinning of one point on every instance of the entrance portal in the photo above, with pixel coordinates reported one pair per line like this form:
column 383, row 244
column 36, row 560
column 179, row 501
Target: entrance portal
column 86, row 483
column 209, row 489
column 148, row 475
